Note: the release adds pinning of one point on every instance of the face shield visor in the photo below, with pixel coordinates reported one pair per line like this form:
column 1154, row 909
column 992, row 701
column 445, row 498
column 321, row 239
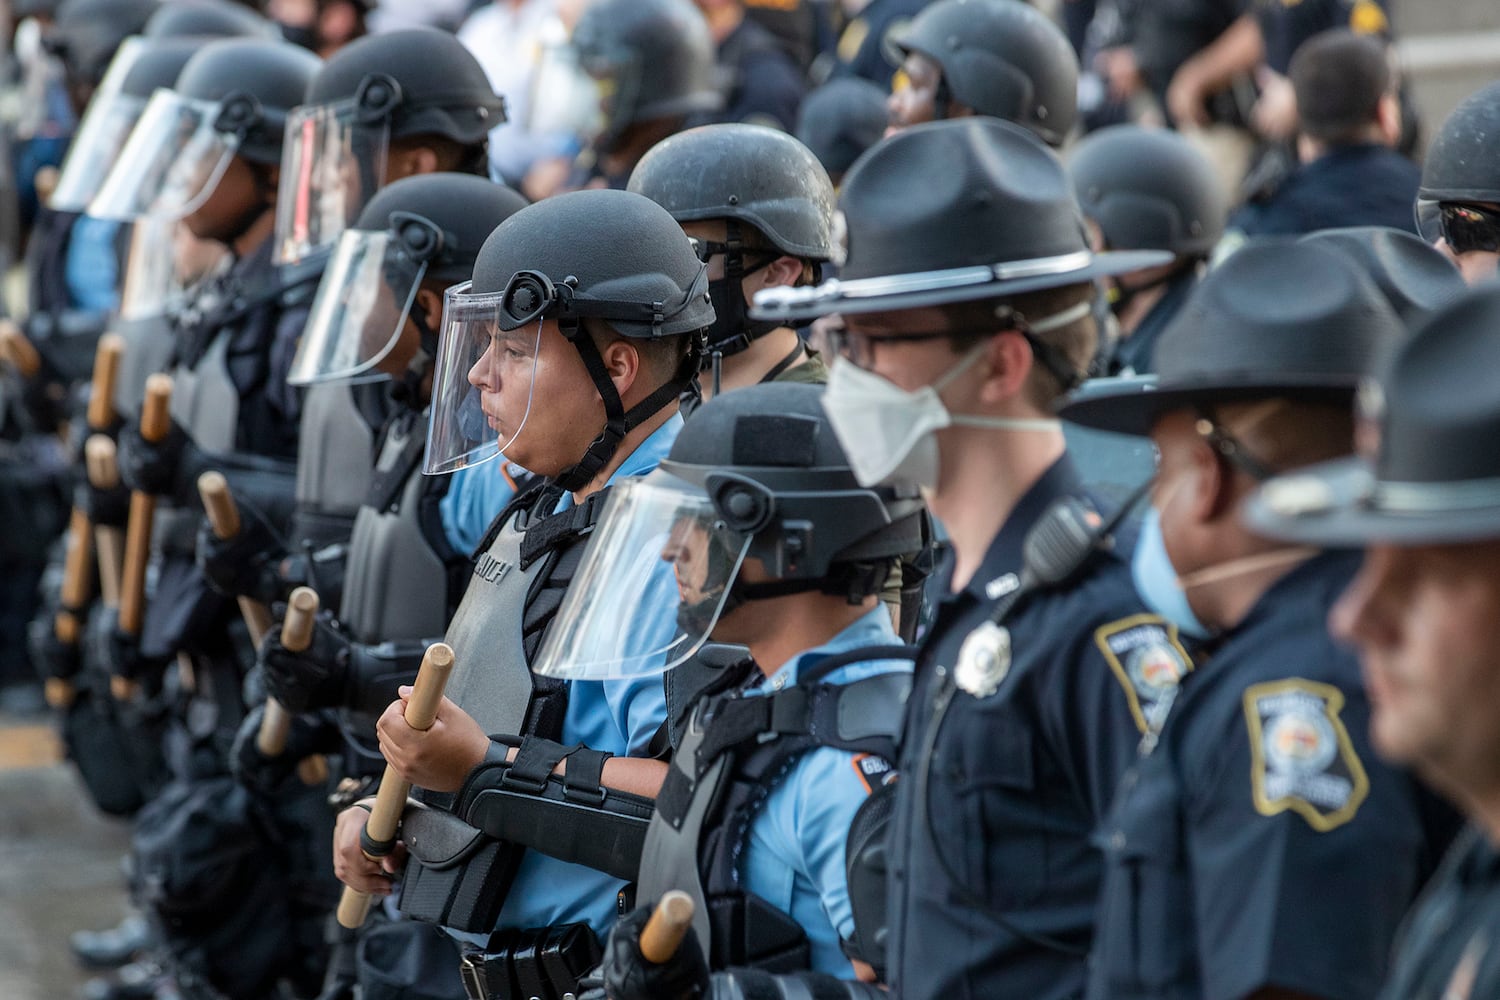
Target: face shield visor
column 174, row 157
column 653, row 584
column 484, row 378
column 102, row 135
column 332, row 163
column 164, row 261
column 363, row 302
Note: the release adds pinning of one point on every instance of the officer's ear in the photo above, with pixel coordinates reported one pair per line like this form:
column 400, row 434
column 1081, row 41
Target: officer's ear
column 1005, row 368
column 783, row 271
column 622, row 360
column 429, row 303
column 1388, row 118
column 1212, row 483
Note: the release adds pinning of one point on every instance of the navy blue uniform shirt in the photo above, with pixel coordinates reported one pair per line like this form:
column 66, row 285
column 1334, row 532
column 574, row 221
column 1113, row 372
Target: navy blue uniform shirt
column 996, row 898
column 1451, row 947
column 1365, row 185
column 1260, row 843
column 1133, row 354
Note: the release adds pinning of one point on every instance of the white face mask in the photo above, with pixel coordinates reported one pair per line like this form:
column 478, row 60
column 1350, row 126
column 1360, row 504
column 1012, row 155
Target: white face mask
column 888, row 432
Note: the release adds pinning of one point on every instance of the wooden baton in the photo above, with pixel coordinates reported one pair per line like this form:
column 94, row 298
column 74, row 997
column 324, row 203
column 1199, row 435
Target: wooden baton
column 667, row 926
column 156, row 422
column 17, row 351
column 101, row 411
column 104, row 474
column 390, row 801
column 296, row 635
column 224, row 518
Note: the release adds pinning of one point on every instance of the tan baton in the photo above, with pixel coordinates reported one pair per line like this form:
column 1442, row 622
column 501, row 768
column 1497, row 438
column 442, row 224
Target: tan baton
column 156, row 421
column 224, row 518
column 104, row 474
column 296, row 635
column 667, row 926
column 44, row 182
column 17, row 351
column 77, row 583
column 101, row 411
column 380, row 829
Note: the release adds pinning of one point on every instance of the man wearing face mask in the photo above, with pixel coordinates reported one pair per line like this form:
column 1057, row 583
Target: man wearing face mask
column 1256, row 818
column 967, row 306
column 760, row 207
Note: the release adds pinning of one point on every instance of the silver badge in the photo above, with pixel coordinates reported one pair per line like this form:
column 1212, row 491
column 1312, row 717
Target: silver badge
column 984, row 660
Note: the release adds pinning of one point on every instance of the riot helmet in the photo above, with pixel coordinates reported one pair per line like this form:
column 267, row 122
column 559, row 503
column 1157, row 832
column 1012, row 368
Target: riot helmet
column 231, row 99
column 85, row 35
column 1148, row 189
column 771, row 192
column 1462, row 165
column 651, row 60
column 396, row 85
column 422, row 229
column 208, row 19
column 999, row 58
column 614, row 257
column 840, row 120
column 757, row 474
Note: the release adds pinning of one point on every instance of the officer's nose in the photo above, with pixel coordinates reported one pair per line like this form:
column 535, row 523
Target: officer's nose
column 1355, row 618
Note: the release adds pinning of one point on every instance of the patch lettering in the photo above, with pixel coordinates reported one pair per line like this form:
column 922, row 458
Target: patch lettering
column 1147, row 660
column 491, row 570
column 874, row 772
column 1301, row 757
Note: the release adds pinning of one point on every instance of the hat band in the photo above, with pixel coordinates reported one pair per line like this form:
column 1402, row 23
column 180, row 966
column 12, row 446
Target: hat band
column 924, row 281
column 1428, row 498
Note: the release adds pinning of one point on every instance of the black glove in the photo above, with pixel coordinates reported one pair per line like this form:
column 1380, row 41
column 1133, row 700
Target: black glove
column 50, row 655
column 116, row 653
column 307, row 735
column 314, row 678
column 163, row 468
column 106, row 508
column 628, row 976
column 245, row 565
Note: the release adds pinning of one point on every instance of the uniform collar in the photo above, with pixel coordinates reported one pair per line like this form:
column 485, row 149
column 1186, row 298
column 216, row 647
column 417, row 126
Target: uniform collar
column 997, row 573
column 646, row 457
column 873, row 628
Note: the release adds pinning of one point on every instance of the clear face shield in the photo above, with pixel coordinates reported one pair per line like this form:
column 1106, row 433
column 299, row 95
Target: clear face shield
column 101, row 137
column 363, row 301
column 653, row 584
column 332, row 163
column 484, row 378
column 164, row 261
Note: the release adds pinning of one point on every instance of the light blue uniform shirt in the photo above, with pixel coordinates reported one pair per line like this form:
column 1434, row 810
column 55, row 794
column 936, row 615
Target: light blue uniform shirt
column 619, row 716
column 92, row 268
column 795, row 857
column 476, row 495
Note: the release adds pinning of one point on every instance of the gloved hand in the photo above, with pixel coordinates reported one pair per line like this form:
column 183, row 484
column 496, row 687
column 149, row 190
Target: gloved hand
column 314, row 678
column 116, row 653
column 50, row 655
column 245, row 565
column 162, row 468
column 308, row 735
column 106, row 508
column 628, row 976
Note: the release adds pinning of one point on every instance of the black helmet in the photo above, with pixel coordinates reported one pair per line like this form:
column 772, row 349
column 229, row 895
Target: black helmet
column 1463, row 162
column 1001, row 58
column 208, row 19
column 463, row 209
column 757, row 175
column 840, row 120
column 421, row 80
column 258, row 81
column 1148, row 189
column 770, row 462
column 657, row 54
column 951, row 211
column 86, row 34
column 159, row 63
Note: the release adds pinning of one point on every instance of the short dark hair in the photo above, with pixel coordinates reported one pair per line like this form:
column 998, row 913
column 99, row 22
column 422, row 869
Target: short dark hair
column 1339, row 78
column 663, row 357
column 1074, row 344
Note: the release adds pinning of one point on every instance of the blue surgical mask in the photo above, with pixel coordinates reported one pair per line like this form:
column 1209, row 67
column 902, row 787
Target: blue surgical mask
column 1156, row 579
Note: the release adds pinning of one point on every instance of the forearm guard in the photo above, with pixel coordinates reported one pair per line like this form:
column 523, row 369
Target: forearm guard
column 572, row 817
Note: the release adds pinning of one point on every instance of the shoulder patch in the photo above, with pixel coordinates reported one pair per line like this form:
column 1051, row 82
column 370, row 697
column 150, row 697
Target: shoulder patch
column 1301, row 758
column 1147, row 660
column 874, row 772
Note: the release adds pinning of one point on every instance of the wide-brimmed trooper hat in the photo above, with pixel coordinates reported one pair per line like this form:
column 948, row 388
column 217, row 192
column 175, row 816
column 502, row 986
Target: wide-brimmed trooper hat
column 1434, row 477
column 1278, row 320
column 954, row 211
column 1414, row 277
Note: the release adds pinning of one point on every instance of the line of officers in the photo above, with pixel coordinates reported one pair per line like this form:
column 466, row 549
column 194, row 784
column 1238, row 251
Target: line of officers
column 870, row 669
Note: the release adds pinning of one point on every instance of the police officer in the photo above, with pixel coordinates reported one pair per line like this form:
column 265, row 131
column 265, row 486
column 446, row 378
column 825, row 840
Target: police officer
column 1256, row 819
column 760, row 209
column 567, row 353
column 967, row 311
column 754, row 818
column 1420, row 611
column 655, row 62
column 1148, row 189
column 761, row 83
column 986, row 57
column 862, row 48
column 1458, row 204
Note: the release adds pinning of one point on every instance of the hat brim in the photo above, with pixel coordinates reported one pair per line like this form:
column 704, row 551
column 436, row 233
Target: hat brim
column 1335, row 504
column 1131, row 405
column 864, row 295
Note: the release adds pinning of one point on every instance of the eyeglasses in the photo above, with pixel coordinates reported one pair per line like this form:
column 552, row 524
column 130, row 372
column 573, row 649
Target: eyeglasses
column 859, row 349
column 1463, row 227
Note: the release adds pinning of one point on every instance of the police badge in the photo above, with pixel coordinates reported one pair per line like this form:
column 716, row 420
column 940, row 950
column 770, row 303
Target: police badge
column 983, row 660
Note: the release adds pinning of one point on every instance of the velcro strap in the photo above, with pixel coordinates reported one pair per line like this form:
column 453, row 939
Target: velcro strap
column 743, row 720
column 550, row 532
column 535, row 760
column 583, row 780
column 675, row 796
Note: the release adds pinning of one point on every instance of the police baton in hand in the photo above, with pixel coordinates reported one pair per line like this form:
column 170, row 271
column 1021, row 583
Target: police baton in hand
column 668, row 925
column 156, row 423
column 296, row 635
column 99, row 461
column 379, row 837
column 17, row 351
column 224, row 517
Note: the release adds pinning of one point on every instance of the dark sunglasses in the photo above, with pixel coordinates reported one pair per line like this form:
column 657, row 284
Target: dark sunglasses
column 1465, row 228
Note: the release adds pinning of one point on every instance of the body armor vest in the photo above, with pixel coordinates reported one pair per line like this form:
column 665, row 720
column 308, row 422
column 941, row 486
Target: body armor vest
column 333, row 465
column 149, row 341
column 732, row 753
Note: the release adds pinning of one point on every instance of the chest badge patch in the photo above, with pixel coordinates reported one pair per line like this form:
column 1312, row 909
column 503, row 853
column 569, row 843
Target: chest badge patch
column 983, row 660
column 1147, row 660
column 1301, row 756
